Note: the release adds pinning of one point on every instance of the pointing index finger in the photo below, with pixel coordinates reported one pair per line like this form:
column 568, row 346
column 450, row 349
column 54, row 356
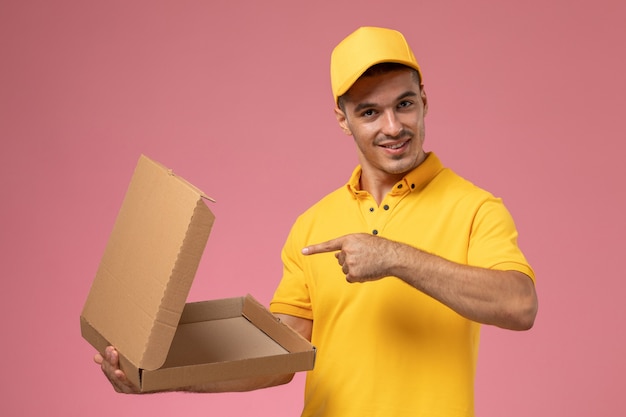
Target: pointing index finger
column 328, row 246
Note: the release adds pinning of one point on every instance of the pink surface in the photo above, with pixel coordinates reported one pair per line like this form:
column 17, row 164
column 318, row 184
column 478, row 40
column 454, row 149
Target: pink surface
column 526, row 100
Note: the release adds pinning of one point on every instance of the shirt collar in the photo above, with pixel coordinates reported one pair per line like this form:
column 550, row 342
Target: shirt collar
column 415, row 180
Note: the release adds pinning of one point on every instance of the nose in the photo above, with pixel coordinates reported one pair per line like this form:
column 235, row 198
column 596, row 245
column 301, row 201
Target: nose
column 391, row 124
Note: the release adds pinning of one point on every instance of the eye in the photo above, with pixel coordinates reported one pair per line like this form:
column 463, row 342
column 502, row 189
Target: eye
column 405, row 104
column 368, row 113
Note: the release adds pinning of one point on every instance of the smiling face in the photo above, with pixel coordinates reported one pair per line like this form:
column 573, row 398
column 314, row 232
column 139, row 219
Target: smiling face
column 384, row 113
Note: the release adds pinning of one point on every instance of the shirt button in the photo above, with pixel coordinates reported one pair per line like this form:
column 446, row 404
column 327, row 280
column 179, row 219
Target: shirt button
column 386, row 207
column 412, row 185
column 371, row 208
column 399, row 186
column 374, row 232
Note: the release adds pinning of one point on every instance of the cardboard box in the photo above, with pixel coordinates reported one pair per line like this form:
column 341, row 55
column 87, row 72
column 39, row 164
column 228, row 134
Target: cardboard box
column 137, row 301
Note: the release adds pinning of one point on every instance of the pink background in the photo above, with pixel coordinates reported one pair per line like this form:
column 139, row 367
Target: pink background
column 527, row 99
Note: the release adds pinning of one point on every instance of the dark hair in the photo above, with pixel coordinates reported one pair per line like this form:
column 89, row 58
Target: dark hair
column 379, row 69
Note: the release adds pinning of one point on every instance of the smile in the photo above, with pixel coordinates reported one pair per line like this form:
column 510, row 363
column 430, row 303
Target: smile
column 395, row 145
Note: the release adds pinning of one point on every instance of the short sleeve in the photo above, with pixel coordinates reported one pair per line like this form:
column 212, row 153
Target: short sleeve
column 292, row 296
column 493, row 241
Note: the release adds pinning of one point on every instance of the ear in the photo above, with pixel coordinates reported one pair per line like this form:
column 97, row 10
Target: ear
column 424, row 100
column 343, row 121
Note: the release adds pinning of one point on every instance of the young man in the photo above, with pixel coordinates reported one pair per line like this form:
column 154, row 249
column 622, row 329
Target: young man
column 391, row 275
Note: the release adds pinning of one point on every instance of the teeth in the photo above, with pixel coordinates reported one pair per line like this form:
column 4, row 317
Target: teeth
column 399, row 145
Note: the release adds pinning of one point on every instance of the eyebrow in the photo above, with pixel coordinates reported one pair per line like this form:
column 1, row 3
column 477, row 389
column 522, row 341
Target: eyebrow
column 362, row 106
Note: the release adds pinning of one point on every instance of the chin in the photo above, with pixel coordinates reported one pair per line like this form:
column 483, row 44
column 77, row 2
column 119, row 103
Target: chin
column 405, row 165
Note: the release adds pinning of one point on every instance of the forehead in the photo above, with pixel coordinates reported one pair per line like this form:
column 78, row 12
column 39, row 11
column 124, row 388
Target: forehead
column 382, row 87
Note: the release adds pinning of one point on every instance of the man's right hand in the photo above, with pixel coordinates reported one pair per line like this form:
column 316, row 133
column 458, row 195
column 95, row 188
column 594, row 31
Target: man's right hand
column 111, row 368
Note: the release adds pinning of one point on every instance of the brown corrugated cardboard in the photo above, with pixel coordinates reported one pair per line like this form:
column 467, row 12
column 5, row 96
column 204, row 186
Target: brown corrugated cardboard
column 137, row 299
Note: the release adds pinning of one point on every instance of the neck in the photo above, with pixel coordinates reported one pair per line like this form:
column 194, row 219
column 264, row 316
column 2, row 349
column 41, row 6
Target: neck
column 379, row 182
column 378, row 185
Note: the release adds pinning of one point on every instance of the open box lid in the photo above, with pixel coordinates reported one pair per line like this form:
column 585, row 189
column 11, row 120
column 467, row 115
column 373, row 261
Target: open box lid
column 149, row 263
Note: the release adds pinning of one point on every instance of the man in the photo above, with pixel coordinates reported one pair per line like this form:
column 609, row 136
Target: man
column 391, row 275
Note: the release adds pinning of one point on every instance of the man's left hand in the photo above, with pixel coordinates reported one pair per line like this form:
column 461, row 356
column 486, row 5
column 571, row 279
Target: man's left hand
column 362, row 257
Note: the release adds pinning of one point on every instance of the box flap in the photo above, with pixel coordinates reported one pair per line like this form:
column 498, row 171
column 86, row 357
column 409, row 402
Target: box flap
column 148, row 266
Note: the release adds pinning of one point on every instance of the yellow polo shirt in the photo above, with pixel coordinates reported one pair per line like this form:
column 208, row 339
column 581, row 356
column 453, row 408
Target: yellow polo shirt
column 384, row 348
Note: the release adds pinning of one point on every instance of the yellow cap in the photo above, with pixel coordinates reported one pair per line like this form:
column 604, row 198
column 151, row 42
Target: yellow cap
column 363, row 48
